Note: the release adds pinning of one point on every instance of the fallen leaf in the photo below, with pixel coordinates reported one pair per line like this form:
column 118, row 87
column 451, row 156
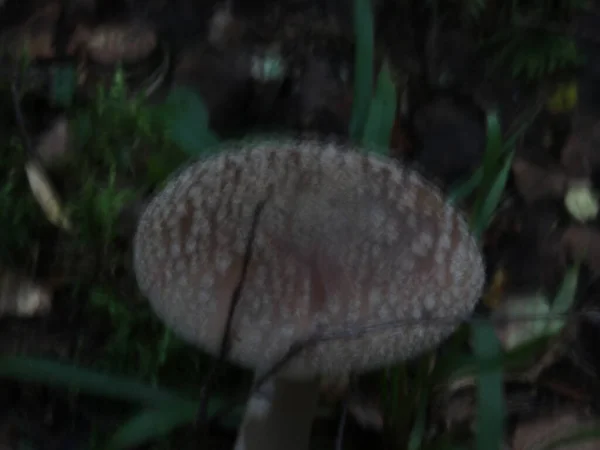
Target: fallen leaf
column 579, row 156
column 367, row 412
column 582, row 243
column 454, row 403
column 333, row 388
column 580, row 201
column 34, row 37
column 223, row 27
column 22, row 297
column 536, row 183
column 116, row 43
column 513, row 332
column 538, row 434
column 46, row 196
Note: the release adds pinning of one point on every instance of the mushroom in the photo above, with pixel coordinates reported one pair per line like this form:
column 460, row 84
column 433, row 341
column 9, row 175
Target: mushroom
column 344, row 241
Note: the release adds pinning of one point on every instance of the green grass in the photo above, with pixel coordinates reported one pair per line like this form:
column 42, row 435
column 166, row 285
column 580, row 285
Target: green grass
column 121, row 148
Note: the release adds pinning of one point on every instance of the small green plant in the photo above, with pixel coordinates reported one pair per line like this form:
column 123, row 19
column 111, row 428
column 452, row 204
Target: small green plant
column 138, row 345
column 536, row 54
column 529, row 47
column 21, row 219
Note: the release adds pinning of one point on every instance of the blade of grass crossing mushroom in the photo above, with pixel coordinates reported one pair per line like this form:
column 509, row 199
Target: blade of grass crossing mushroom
column 382, row 113
column 363, row 67
column 489, row 422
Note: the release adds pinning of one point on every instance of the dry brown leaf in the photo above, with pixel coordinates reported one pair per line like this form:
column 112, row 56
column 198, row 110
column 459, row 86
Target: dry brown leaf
column 53, row 144
column 35, row 36
column 334, row 388
column 454, row 403
column 223, row 27
column 537, row 183
column 46, row 196
column 536, row 434
column 367, row 412
column 579, row 156
column 21, row 296
column 582, row 243
column 115, row 43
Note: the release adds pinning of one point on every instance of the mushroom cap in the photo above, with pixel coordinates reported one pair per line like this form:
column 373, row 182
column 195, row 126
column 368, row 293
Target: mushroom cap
column 345, row 242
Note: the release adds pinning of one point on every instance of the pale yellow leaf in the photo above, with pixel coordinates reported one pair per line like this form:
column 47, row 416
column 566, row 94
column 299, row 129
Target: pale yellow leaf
column 46, row 196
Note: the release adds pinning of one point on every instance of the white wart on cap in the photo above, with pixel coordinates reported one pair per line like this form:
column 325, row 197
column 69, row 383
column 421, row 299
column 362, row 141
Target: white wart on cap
column 344, row 241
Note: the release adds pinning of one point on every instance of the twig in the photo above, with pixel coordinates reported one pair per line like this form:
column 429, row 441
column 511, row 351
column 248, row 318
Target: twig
column 355, row 333
column 235, row 298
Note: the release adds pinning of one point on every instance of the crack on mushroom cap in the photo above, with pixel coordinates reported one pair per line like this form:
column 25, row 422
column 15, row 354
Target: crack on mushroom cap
column 346, row 241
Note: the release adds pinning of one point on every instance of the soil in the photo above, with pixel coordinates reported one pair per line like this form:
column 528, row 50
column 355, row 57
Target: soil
column 445, row 91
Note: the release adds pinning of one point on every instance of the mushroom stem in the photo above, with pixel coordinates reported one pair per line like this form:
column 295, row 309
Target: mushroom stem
column 279, row 416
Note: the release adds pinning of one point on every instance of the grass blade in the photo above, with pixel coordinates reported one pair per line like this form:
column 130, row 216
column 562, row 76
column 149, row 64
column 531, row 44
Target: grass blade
column 483, row 215
column 489, row 178
column 565, row 297
column 71, row 377
column 363, row 67
column 382, row 113
column 489, row 428
column 466, row 188
column 493, row 147
column 481, row 179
